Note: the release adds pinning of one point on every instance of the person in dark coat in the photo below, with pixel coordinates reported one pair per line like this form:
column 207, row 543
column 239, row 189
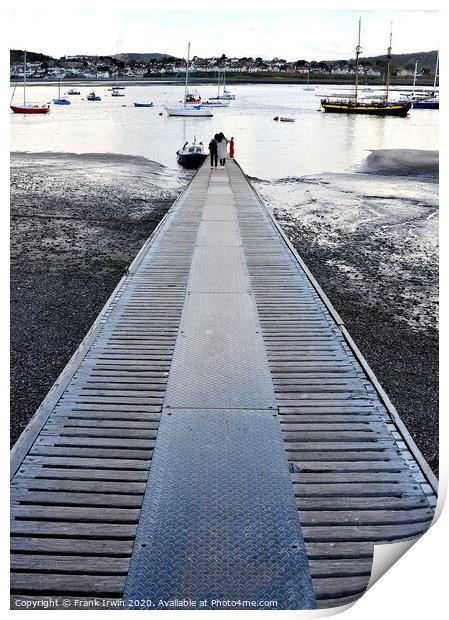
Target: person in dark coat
column 213, row 152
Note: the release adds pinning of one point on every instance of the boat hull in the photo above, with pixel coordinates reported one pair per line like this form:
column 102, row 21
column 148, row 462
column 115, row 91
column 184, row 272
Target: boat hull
column 29, row 110
column 399, row 109
column 426, row 105
column 193, row 112
column 192, row 161
column 143, row 105
column 223, row 98
column 215, row 104
column 61, row 102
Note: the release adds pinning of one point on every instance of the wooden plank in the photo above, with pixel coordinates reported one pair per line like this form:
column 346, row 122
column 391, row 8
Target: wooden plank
column 84, row 463
column 75, row 565
column 84, row 486
column 76, row 584
column 339, row 550
column 340, row 568
column 365, row 517
column 364, row 533
column 405, row 503
column 76, row 514
column 76, row 473
column 77, row 499
column 65, row 545
column 332, row 587
column 73, row 530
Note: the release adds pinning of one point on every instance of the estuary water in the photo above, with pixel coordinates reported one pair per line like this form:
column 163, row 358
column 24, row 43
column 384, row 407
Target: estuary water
column 315, row 143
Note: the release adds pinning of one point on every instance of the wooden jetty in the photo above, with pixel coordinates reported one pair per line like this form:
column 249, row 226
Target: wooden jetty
column 217, row 433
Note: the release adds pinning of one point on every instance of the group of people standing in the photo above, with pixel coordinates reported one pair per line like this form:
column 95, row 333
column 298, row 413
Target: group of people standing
column 218, row 149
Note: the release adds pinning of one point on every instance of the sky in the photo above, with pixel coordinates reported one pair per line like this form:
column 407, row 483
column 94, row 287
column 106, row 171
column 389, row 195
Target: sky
column 60, row 30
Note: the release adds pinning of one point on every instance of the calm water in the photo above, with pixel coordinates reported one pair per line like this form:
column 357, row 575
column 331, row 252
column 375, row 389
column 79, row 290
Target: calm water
column 315, row 143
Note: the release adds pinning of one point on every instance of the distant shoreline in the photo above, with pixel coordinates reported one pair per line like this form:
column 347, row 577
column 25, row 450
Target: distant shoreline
column 272, row 79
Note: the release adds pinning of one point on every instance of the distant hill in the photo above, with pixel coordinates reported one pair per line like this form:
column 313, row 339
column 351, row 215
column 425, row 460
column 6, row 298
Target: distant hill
column 142, row 57
column 425, row 59
column 16, row 56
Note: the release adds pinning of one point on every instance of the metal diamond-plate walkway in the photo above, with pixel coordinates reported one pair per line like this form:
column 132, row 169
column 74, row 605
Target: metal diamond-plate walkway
column 217, row 441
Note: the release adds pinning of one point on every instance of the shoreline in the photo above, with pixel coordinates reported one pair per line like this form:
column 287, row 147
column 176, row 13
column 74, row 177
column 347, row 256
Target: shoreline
column 273, row 79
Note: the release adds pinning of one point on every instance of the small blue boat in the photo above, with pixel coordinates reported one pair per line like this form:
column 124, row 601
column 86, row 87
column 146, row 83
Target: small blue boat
column 143, row 105
column 61, row 100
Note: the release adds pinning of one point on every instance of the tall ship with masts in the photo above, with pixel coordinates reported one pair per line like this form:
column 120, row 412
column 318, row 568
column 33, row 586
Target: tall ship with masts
column 354, row 105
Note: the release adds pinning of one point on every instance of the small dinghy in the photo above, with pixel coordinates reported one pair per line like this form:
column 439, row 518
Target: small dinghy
column 191, row 155
column 117, row 93
column 73, row 91
column 143, row 105
column 93, row 97
column 284, row 119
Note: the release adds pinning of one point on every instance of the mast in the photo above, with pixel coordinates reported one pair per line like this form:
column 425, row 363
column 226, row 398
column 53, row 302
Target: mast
column 218, row 82
column 414, row 77
column 24, row 76
column 187, row 75
column 388, row 63
column 224, row 81
column 357, row 54
column 436, row 73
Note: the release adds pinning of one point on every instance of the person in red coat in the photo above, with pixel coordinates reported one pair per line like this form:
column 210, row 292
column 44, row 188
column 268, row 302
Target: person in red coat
column 231, row 148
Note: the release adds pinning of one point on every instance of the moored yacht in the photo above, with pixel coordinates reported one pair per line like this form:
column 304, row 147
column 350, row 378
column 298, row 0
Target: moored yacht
column 28, row 108
column 188, row 110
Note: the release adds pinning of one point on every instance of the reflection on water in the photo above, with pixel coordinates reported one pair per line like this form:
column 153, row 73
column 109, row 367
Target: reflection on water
column 315, row 143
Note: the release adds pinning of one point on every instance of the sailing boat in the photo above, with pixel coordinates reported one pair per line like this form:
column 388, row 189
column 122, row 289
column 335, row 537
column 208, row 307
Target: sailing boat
column 308, row 87
column 188, row 110
column 353, row 105
column 216, row 102
column 60, row 101
column 28, row 108
column 226, row 96
column 429, row 100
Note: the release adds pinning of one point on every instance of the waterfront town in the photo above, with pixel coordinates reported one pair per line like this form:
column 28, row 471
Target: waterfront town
column 141, row 66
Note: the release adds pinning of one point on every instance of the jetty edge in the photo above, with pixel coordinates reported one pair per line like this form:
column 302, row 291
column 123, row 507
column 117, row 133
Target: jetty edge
column 217, row 435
